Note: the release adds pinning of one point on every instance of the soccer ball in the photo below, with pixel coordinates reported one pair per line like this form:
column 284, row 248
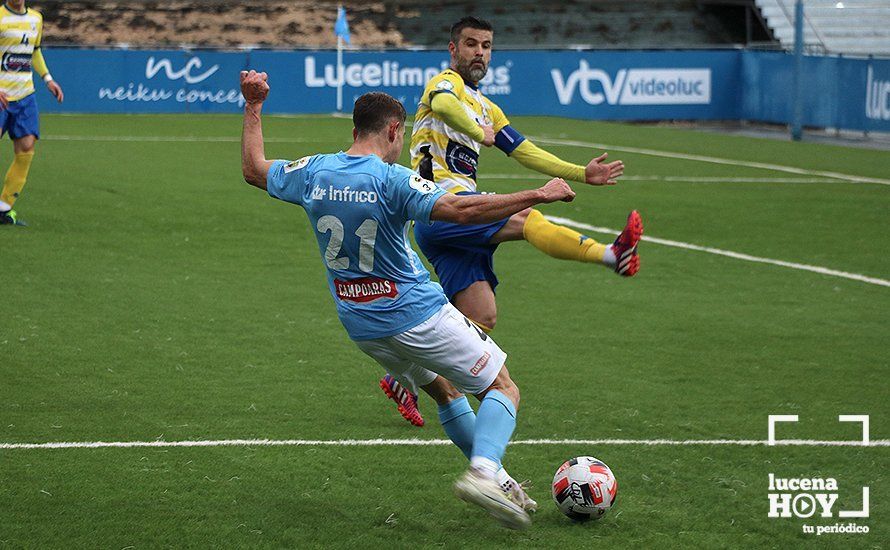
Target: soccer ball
column 584, row 488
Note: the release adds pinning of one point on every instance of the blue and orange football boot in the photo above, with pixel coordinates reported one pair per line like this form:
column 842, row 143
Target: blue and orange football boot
column 405, row 400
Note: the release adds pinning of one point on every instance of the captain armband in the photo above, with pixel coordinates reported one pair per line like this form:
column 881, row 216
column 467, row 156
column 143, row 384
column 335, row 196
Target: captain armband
column 508, row 139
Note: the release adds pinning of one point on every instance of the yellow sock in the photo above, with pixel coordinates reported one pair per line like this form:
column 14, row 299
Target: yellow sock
column 16, row 177
column 560, row 241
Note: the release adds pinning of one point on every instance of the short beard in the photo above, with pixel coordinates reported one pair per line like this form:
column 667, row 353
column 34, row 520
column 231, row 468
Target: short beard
column 471, row 74
column 477, row 74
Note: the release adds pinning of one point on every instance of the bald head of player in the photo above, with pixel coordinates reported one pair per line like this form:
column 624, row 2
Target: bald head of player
column 379, row 126
column 470, row 48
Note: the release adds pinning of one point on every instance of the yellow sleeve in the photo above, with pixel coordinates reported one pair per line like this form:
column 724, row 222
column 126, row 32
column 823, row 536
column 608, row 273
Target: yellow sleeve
column 531, row 156
column 451, row 110
column 442, row 95
column 498, row 118
column 39, row 63
column 39, row 30
column 37, row 60
column 447, row 82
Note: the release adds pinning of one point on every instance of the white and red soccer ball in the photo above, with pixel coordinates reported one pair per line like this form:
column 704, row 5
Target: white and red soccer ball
column 584, row 488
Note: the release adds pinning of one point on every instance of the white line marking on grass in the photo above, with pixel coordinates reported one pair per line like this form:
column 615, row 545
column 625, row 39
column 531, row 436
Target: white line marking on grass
column 730, row 254
column 177, row 139
column 566, row 221
column 715, row 160
column 178, row 115
column 674, row 179
column 572, row 143
column 703, row 442
column 431, row 442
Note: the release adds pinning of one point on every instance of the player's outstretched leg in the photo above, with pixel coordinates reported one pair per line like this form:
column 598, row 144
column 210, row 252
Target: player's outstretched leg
column 459, row 422
column 406, row 401
column 627, row 261
column 495, row 423
column 564, row 243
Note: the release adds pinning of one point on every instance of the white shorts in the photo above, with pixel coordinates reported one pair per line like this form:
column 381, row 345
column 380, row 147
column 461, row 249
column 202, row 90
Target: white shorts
column 447, row 344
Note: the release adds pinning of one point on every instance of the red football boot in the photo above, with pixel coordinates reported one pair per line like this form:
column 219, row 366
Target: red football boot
column 405, row 400
column 627, row 261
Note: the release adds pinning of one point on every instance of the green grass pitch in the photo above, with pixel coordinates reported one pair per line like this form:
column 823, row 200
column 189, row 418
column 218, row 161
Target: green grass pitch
column 155, row 295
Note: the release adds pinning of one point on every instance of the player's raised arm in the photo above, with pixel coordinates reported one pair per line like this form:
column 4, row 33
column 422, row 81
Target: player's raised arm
column 478, row 209
column 254, row 165
column 520, row 148
column 597, row 171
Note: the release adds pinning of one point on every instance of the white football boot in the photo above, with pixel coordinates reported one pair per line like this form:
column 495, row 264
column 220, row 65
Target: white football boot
column 515, row 491
column 486, row 493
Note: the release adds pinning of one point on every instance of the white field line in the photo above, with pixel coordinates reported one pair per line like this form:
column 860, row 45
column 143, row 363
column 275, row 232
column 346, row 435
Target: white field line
column 679, row 179
column 714, row 160
column 431, row 442
column 677, row 244
column 552, row 141
column 730, row 254
column 580, row 225
column 178, row 115
column 176, row 139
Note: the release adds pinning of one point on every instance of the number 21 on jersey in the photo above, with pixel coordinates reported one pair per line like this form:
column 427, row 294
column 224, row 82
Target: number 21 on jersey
column 366, row 233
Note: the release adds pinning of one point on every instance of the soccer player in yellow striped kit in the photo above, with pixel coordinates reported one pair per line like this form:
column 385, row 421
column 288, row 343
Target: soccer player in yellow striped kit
column 453, row 121
column 21, row 31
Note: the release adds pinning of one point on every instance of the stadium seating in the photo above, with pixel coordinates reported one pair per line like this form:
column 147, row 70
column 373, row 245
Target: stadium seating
column 391, row 23
column 598, row 23
column 855, row 27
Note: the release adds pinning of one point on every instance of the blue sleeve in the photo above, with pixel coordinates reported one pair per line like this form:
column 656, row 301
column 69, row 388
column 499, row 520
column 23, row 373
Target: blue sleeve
column 412, row 195
column 508, row 139
column 286, row 180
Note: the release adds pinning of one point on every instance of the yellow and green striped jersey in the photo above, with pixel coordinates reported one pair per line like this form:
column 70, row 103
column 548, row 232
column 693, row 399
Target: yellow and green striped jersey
column 20, row 36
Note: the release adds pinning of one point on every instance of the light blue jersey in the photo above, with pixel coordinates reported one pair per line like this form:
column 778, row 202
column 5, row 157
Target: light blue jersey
column 361, row 208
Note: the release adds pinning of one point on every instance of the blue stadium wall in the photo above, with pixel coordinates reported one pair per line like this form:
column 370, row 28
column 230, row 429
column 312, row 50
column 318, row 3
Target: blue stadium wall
column 604, row 85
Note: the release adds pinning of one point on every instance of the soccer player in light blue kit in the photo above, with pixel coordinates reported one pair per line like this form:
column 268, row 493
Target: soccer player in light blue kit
column 361, row 206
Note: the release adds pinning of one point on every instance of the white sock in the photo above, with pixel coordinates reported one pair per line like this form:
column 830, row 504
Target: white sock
column 609, row 257
column 485, row 467
column 5, row 207
column 504, row 480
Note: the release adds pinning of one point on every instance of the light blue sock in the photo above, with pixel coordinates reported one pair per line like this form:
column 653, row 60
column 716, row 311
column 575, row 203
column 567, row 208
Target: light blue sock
column 495, row 423
column 459, row 422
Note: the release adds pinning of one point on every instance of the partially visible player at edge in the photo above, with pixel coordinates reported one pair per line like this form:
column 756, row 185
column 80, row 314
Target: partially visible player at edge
column 21, row 32
column 452, row 122
column 361, row 206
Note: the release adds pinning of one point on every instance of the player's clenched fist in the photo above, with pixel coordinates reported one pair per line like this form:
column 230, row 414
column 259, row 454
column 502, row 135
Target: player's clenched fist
column 557, row 190
column 254, row 87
